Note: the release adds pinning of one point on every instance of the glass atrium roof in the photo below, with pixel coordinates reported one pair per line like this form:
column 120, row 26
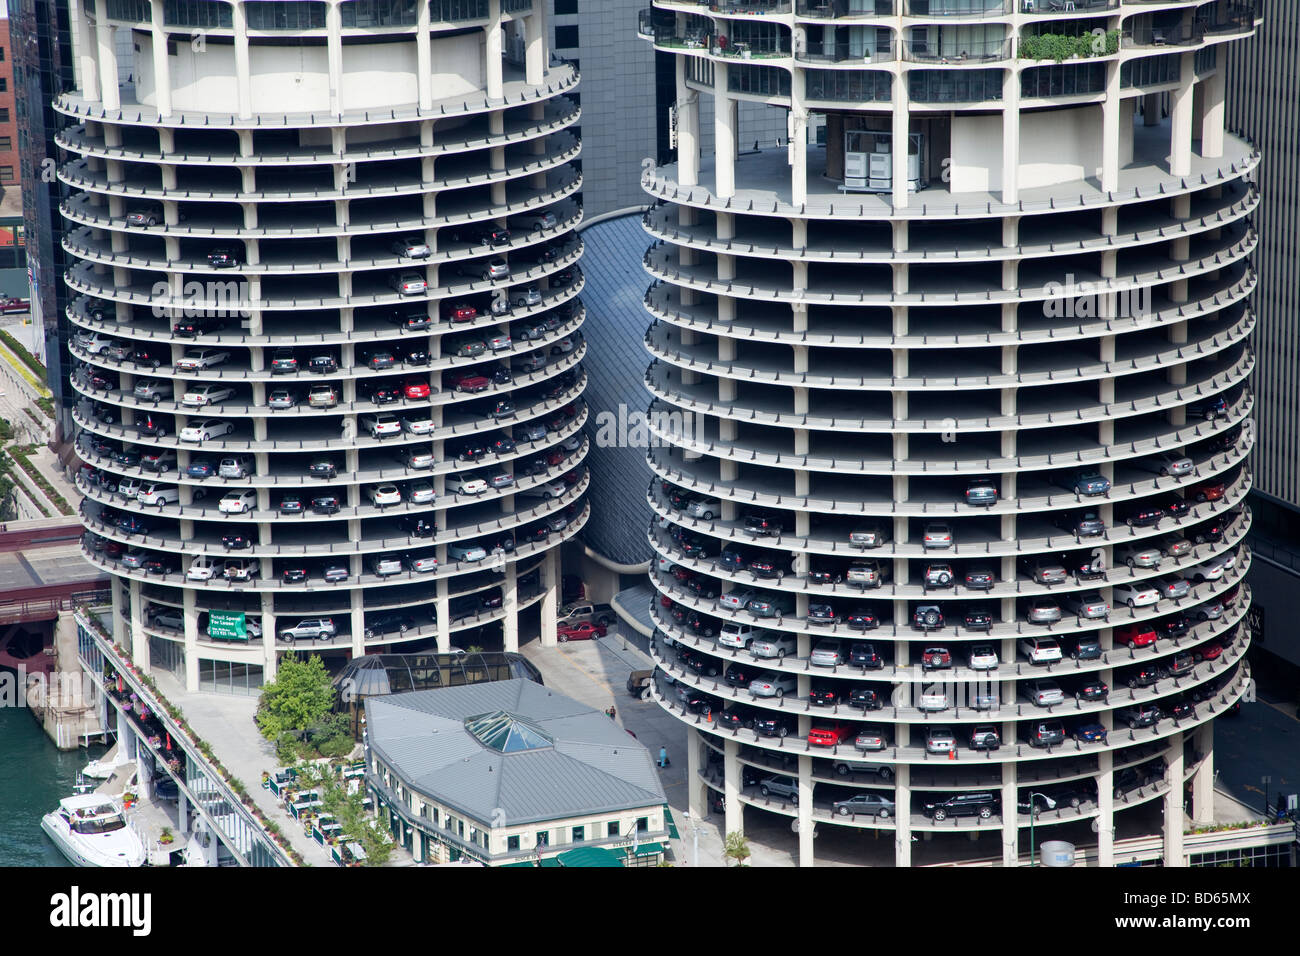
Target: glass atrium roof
column 506, row 733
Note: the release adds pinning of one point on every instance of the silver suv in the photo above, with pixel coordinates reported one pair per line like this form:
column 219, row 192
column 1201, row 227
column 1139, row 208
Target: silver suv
column 319, row 628
column 781, row 787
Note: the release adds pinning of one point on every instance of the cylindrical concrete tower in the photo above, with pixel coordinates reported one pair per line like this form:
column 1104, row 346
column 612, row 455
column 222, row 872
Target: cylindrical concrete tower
column 950, row 393
column 331, row 362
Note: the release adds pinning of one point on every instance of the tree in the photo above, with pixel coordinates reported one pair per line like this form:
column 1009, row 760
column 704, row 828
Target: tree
column 736, row 847
column 299, row 697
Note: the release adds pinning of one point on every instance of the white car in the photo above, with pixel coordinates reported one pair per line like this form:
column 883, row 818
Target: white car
column 736, row 635
column 201, row 569
column 932, row 697
column 1139, row 556
column 1041, row 650
column 940, row 740
column 381, row 496
column 983, row 658
column 156, row 494
column 1045, row 693
column 385, row 566
column 1212, row 570
column 94, row 344
column 205, row 429
column 381, row 425
column 420, row 493
column 552, row 489
column 1172, row 466
column 769, row 644
column 772, row 684
column 238, row 502
column 202, row 358
column 206, row 395
column 417, row 423
column 241, row 569
column 465, row 485
column 409, row 283
column 129, row 488
column 1140, row 594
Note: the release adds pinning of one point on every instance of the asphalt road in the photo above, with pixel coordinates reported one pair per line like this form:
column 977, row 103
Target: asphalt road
column 1262, row 741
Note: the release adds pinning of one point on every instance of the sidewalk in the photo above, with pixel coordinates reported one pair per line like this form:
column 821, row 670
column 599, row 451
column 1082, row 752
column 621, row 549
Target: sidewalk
column 48, row 466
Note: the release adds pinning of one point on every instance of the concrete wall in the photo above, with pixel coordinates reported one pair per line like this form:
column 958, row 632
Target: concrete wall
column 1056, row 146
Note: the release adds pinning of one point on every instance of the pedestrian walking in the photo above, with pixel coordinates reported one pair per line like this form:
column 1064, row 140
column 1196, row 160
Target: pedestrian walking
column 663, row 756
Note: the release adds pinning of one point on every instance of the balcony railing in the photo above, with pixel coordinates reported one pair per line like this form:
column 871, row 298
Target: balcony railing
column 974, row 53
column 1066, row 6
column 836, row 9
column 958, row 8
column 845, row 52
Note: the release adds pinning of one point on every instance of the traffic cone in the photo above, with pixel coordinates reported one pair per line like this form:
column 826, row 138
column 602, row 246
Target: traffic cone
column 952, row 754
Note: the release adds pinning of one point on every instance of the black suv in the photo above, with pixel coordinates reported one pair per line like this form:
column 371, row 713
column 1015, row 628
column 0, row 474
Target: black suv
column 981, row 804
column 740, row 674
column 762, row 523
column 864, row 655
column 824, row 693
column 768, row 724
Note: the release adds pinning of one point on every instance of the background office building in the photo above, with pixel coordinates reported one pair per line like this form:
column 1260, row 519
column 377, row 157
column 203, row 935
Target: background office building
column 951, row 549
column 43, row 69
column 1264, row 104
column 329, row 369
column 627, row 98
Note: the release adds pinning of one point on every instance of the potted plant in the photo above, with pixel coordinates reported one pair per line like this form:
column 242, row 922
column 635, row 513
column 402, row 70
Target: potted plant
column 128, row 800
column 165, row 837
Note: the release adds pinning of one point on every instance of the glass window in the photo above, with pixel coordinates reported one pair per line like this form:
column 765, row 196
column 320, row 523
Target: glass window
column 6, row 143
column 642, row 824
column 543, row 838
column 4, row 114
column 265, row 15
column 612, row 828
column 579, row 834
column 512, row 844
column 196, row 13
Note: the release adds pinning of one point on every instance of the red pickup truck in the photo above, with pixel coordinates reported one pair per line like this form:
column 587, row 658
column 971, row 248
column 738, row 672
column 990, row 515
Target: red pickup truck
column 9, row 306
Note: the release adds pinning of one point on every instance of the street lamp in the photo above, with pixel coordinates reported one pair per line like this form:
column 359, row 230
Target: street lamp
column 1033, row 814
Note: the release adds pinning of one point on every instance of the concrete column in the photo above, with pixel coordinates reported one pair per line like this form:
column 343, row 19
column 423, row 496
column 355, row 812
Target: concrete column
column 1010, row 817
column 534, row 49
column 334, row 52
column 724, row 138
column 1173, row 801
column 87, row 65
column 191, row 615
column 357, row 614
column 550, row 581
column 243, row 69
column 734, row 810
column 1010, row 136
column 902, row 127
column 423, row 57
column 106, row 54
column 270, row 663
column 688, row 129
column 121, row 632
column 1212, row 120
column 510, row 603
column 1111, row 130
column 492, row 50
column 1203, row 781
column 161, row 65
column 902, row 815
column 1180, row 135
column 797, row 132
column 1105, row 809
column 807, row 829
column 1151, row 109
column 139, row 644
column 695, row 802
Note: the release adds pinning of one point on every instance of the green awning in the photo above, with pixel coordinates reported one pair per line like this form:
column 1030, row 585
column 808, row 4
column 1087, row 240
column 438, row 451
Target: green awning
column 672, row 827
column 590, row 856
column 645, row 849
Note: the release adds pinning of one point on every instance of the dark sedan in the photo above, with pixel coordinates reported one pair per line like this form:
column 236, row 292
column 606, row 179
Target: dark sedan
column 863, row 619
column 1092, row 689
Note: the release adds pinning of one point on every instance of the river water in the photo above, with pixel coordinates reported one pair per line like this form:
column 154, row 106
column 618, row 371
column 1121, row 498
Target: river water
column 34, row 777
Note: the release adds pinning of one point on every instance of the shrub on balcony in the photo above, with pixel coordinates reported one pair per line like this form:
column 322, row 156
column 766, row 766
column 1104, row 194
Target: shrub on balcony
column 1061, row 47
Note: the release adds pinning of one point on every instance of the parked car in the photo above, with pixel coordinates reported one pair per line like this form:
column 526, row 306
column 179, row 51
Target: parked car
column 864, row 804
column 983, row 804
column 1041, row 650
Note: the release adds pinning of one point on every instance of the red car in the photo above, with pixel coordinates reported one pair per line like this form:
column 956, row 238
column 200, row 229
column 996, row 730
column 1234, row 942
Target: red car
column 1211, row 490
column 467, row 382
column 462, row 312
column 828, row 736
column 415, row 388
column 1136, row 635
column 1209, row 652
column 580, row 632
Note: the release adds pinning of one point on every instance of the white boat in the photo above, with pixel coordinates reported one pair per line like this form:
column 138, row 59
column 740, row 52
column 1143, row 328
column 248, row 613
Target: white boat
column 105, row 766
column 90, row 830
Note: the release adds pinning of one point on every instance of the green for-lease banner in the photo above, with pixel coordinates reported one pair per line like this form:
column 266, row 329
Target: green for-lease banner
column 229, row 625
